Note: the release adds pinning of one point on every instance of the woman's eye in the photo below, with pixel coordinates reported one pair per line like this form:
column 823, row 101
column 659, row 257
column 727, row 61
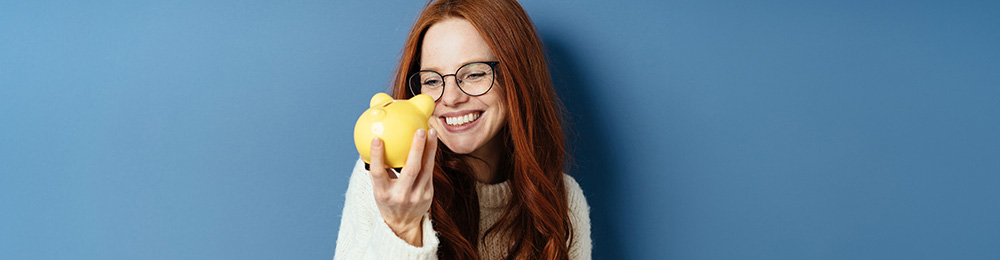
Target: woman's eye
column 476, row 75
column 432, row 82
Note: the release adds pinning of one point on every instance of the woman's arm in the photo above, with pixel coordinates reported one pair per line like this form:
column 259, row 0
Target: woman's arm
column 365, row 235
column 579, row 218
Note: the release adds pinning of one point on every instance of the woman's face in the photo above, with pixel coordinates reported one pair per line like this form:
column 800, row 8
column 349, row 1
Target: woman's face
column 447, row 46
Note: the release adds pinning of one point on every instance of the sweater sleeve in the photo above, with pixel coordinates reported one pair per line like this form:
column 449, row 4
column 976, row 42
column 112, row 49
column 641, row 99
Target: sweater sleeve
column 579, row 217
column 365, row 235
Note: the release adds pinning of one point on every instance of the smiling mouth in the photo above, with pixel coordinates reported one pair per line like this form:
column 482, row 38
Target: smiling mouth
column 463, row 119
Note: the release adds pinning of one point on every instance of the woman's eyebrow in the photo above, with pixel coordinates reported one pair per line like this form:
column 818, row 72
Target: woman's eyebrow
column 467, row 61
column 477, row 59
column 434, row 68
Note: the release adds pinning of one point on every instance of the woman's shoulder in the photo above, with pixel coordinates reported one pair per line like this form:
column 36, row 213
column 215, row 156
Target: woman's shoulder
column 579, row 218
column 359, row 169
column 571, row 184
column 359, row 182
column 574, row 194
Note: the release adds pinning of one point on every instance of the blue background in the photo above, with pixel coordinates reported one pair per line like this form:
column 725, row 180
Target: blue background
column 702, row 129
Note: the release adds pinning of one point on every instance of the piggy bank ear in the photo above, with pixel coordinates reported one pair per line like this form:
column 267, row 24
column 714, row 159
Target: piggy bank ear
column 380, row 99
column 425, row 103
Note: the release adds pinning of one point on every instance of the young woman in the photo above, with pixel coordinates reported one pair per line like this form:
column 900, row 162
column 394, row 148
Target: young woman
column 495, row 188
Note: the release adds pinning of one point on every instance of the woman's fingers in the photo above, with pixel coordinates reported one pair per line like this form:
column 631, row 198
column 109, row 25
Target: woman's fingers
column 380, row 180
column 400, row 202
column 427, row 171
column 413, row 160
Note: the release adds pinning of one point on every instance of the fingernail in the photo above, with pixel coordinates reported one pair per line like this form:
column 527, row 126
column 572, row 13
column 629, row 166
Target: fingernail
column 376, row 142
column 432, row 132
column 420, row 132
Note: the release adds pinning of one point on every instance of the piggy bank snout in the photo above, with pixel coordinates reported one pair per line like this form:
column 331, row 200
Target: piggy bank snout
column 376, row 114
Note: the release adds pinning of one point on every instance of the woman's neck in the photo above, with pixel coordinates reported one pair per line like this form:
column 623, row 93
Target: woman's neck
column 485, row 167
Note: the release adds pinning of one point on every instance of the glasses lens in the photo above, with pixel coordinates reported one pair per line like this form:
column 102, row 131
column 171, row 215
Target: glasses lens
column 427, row 82
column 475, row 78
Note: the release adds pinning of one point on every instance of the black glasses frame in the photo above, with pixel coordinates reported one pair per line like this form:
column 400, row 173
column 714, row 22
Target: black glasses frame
column 415, row 89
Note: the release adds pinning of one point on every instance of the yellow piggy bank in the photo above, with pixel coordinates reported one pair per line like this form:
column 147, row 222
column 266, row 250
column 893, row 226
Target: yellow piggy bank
column 394, row 121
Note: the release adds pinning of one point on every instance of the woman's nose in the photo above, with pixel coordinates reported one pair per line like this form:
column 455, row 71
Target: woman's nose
column 452, row 94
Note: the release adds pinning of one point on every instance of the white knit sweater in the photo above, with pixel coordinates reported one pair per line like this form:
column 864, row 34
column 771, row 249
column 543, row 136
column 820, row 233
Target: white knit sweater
column 364, row 234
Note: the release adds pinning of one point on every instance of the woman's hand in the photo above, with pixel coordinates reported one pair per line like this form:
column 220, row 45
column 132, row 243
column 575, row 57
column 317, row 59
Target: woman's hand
column 403, row 201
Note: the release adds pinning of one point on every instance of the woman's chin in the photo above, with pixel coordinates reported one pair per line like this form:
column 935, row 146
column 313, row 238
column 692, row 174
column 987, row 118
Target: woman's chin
column 460, row 147
column 462, row 150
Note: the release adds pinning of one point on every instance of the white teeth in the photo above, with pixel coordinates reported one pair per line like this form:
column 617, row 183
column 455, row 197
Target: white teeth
column 461, row 120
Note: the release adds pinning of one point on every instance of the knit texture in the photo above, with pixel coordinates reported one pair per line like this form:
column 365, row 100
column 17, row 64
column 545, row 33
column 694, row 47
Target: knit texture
column 364, row 234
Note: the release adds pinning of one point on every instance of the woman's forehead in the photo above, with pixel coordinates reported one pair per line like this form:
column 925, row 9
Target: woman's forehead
column 450, row 43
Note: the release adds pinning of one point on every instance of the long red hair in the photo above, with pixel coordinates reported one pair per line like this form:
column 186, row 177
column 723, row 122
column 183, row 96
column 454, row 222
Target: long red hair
column 536, row 218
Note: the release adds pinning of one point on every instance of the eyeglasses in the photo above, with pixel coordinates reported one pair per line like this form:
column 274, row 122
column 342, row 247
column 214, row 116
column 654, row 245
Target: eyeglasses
column 474, row 79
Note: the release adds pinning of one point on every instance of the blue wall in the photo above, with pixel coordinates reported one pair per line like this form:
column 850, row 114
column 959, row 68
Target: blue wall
column 702, row 129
